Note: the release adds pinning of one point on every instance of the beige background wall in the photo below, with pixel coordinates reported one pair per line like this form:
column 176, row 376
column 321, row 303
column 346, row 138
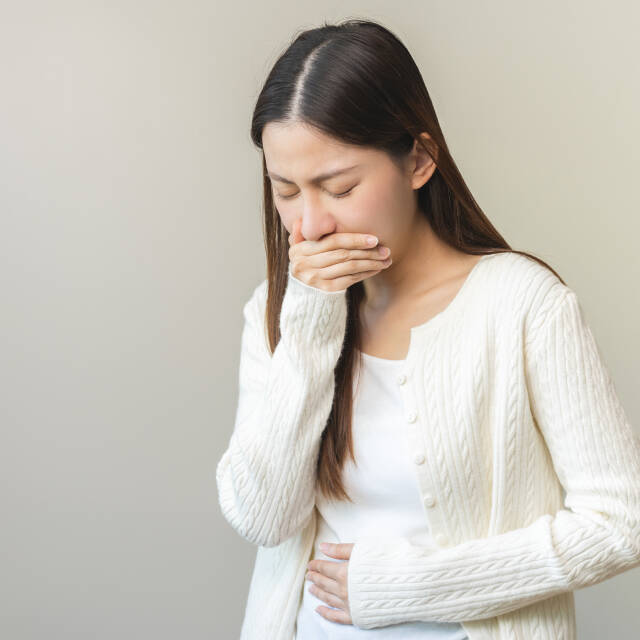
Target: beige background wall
column 130, row 237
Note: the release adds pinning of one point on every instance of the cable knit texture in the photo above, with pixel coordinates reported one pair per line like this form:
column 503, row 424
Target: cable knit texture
column 531, row 476
column 266, row 476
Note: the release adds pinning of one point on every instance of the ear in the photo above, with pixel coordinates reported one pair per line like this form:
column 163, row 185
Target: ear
column 422, row 164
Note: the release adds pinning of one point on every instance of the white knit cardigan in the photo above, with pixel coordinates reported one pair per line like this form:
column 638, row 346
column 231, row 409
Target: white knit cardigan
column 531, row 469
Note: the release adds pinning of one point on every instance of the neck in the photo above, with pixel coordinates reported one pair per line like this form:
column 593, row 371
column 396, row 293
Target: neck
column 420, row 259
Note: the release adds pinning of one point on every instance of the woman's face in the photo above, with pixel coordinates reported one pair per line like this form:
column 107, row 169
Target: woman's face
column 370, row 194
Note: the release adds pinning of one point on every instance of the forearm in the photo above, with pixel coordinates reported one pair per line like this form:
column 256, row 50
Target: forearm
column 391, row 581
column 266, row 477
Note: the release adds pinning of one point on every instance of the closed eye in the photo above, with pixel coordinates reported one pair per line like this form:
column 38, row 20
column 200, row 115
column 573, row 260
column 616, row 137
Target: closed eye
column 334, row 195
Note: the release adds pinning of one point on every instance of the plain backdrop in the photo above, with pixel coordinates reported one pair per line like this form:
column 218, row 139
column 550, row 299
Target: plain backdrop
column 130, row 238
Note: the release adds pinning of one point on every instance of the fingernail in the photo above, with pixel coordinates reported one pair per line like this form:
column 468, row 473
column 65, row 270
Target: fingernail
column 324, row 546
column 372, row 240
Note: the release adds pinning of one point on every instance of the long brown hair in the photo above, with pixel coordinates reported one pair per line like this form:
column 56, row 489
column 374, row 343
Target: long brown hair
column 356, row 82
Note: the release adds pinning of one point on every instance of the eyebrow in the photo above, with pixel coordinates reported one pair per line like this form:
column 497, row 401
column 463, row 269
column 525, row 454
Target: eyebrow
column 317, row 179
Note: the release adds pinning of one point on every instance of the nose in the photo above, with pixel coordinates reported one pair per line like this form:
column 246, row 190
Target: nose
column 317, row 222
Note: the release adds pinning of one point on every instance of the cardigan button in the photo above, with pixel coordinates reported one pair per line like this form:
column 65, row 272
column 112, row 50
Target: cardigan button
column 402, row 378
column 412, row 415
column 429, row 500
column 418, row 458
column 441, row 539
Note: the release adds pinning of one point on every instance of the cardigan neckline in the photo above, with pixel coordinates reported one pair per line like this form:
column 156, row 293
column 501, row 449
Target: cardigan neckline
column 418, row 332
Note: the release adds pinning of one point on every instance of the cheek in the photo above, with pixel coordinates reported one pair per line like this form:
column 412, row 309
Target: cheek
column 378, row 208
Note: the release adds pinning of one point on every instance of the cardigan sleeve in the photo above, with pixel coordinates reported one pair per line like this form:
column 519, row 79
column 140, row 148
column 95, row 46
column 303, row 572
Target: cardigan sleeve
column 596, row 456
column 266, row 476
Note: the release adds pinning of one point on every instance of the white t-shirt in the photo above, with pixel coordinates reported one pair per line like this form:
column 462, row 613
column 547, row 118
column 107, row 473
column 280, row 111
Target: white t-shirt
column 386, row 499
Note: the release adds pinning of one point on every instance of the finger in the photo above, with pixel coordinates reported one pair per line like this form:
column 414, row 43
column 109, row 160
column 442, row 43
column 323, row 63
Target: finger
column 337, row 549
column 335, row 615
column 330, row 568
column 338, row 241
column 327, row 584
column 359, row 258
column 327, row 597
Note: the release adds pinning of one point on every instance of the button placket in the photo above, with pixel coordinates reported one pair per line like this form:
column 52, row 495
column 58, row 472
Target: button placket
column 411, row 416
column 416, row 443
column 429, row 500
column 414, row 438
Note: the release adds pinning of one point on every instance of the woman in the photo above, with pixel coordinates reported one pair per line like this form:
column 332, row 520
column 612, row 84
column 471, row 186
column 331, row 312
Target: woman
column 443, row 419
